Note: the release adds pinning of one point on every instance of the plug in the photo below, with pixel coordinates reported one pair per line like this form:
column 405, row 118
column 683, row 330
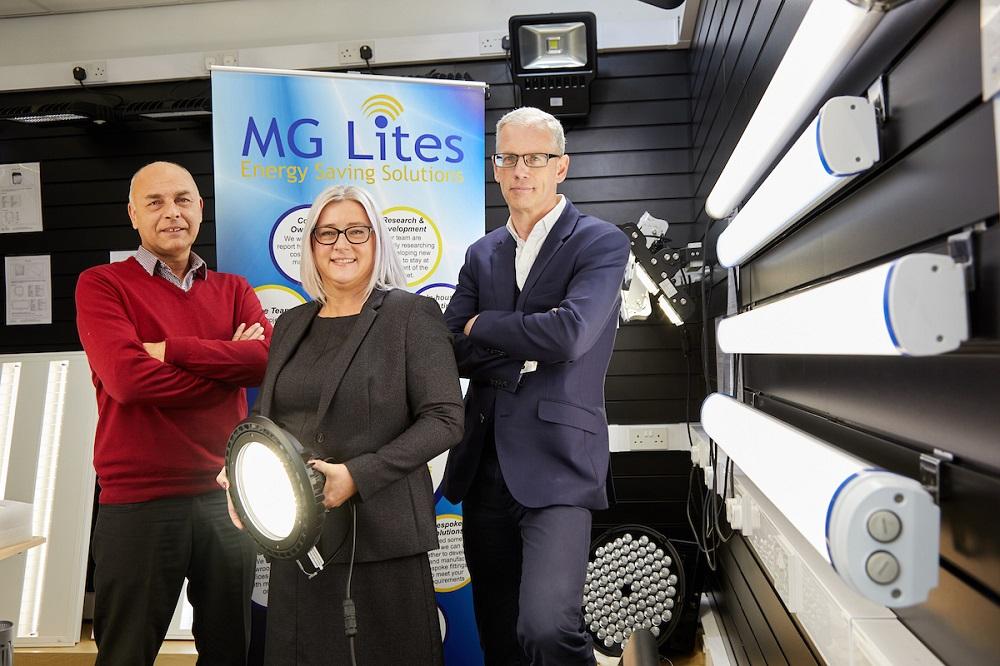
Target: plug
column 366, row 52
column 79, row 73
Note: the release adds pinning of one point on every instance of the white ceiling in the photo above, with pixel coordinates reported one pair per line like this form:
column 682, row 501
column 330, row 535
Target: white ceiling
column 15, row 8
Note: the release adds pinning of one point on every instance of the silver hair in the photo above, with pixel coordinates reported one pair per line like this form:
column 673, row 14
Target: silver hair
column 387, row 271
column 131, row 183
column 529, row 116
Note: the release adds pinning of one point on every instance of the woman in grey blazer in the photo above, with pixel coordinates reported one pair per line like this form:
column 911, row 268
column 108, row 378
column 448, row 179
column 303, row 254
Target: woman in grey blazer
column 365, row 377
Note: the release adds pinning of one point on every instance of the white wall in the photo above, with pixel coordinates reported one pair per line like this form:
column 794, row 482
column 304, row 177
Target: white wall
column 170, row 42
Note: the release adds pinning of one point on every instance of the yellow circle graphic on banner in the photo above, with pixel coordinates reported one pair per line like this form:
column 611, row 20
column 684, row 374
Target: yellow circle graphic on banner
column 448, row 568
column 276, row 298
column 418, row 248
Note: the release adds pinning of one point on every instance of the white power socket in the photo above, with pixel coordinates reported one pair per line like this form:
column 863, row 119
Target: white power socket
column 227, row 58
column 349, row 53
column 97, row 71
column 648, row 438
column 491, row 42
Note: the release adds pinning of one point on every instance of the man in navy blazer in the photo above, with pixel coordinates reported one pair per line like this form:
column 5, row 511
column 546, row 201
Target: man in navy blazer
column 534, row 317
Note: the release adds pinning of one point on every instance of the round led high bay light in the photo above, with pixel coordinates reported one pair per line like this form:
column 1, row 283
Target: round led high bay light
column 634, row 581
column 276, row 494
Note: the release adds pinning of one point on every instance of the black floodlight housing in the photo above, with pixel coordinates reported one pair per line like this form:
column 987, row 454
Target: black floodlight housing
column 635, row 581
column 656, row 266
column 278, row 497
column 554, row 60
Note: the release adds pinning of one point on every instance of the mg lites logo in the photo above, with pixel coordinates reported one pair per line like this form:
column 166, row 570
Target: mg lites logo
column 381, row 136
column 385, row 105
column 364, row 144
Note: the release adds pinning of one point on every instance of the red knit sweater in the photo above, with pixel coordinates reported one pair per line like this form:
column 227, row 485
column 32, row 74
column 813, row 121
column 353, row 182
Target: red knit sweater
column 163, row 426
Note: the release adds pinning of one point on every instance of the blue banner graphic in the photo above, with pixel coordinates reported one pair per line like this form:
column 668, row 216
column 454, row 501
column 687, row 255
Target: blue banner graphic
column 280, row 138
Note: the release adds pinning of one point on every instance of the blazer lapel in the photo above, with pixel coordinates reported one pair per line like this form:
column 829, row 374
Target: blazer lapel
column 280, row 355
column 557, row 236
column 335, row 373
column 502, row 267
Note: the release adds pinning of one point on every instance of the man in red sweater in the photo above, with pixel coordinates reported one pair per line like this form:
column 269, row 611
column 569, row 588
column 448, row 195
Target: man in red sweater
column 171, row 345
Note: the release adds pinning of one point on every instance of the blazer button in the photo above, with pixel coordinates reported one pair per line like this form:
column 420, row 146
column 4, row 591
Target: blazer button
column 320, row 437
column 482, row 417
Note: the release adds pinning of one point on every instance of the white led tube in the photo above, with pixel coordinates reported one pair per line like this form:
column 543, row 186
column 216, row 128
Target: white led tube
column 878, row 529
column 828, row 37
column 913, row 306
column 841, row 142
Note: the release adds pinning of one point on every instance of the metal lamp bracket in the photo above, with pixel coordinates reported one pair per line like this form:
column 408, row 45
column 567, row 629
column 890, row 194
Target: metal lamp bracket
column 877, row 97
column 961, row 248
column 930, row 472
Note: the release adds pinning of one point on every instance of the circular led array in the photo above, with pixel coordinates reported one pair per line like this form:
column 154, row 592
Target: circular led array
column 633, row 582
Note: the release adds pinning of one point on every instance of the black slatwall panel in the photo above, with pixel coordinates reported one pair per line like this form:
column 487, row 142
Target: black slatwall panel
column 937, row 175
column 631, row 155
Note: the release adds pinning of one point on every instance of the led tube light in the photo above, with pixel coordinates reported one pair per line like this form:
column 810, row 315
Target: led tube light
column 44, row 498
column 828, row 37
column 10, row 378
column 840, row 143
column 913, row 306
column 878, row 529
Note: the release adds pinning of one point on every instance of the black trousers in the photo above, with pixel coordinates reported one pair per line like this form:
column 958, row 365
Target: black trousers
column 142, row 554
column 528, row 566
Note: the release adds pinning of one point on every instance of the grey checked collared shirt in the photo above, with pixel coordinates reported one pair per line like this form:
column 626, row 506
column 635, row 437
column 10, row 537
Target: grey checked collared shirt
column 153, row 266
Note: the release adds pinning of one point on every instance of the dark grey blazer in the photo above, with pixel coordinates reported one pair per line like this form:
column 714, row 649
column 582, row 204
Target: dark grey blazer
column 391, row 402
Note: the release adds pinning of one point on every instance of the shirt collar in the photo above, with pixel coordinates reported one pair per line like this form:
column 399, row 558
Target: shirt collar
column 543, row 225
column 149, row 262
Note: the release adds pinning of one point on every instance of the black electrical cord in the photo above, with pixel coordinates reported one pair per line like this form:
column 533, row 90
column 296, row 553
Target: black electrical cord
column 350, row 613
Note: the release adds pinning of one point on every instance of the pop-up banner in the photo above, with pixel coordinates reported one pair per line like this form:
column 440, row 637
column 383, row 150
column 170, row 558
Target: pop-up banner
column 280, row 138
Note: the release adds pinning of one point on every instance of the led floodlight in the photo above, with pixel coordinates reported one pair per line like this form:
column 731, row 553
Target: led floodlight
column 276, row 494
column 634, row 581
column 554, row 60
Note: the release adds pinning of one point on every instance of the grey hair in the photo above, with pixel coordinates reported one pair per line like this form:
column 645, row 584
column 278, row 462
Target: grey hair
column 387, row 272
column 529, row 116
column 131, row 183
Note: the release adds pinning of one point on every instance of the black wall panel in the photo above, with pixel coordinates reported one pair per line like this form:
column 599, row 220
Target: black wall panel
column 937, row 176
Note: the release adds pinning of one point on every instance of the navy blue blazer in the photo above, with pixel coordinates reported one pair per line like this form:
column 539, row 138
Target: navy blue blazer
column 550, row 425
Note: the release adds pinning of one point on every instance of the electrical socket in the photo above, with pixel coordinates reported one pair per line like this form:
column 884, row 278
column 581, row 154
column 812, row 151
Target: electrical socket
column 227, row 58
column 648, row 438
column 97, row 71
column 349, row 53
column 491, row 42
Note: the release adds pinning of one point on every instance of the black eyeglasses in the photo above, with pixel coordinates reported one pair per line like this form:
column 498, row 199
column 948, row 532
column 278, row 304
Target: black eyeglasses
column 533, row 160
column 330, row 235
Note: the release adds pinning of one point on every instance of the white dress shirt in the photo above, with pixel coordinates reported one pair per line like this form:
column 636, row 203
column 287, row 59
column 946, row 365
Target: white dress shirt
column 527, row 251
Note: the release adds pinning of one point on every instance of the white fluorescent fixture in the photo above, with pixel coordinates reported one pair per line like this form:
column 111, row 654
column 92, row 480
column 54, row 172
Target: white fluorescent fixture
column 44, row 497
column 10, row 378
column 840, row 143
column 879, row 530
column 828, row 37
column 913, row 306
